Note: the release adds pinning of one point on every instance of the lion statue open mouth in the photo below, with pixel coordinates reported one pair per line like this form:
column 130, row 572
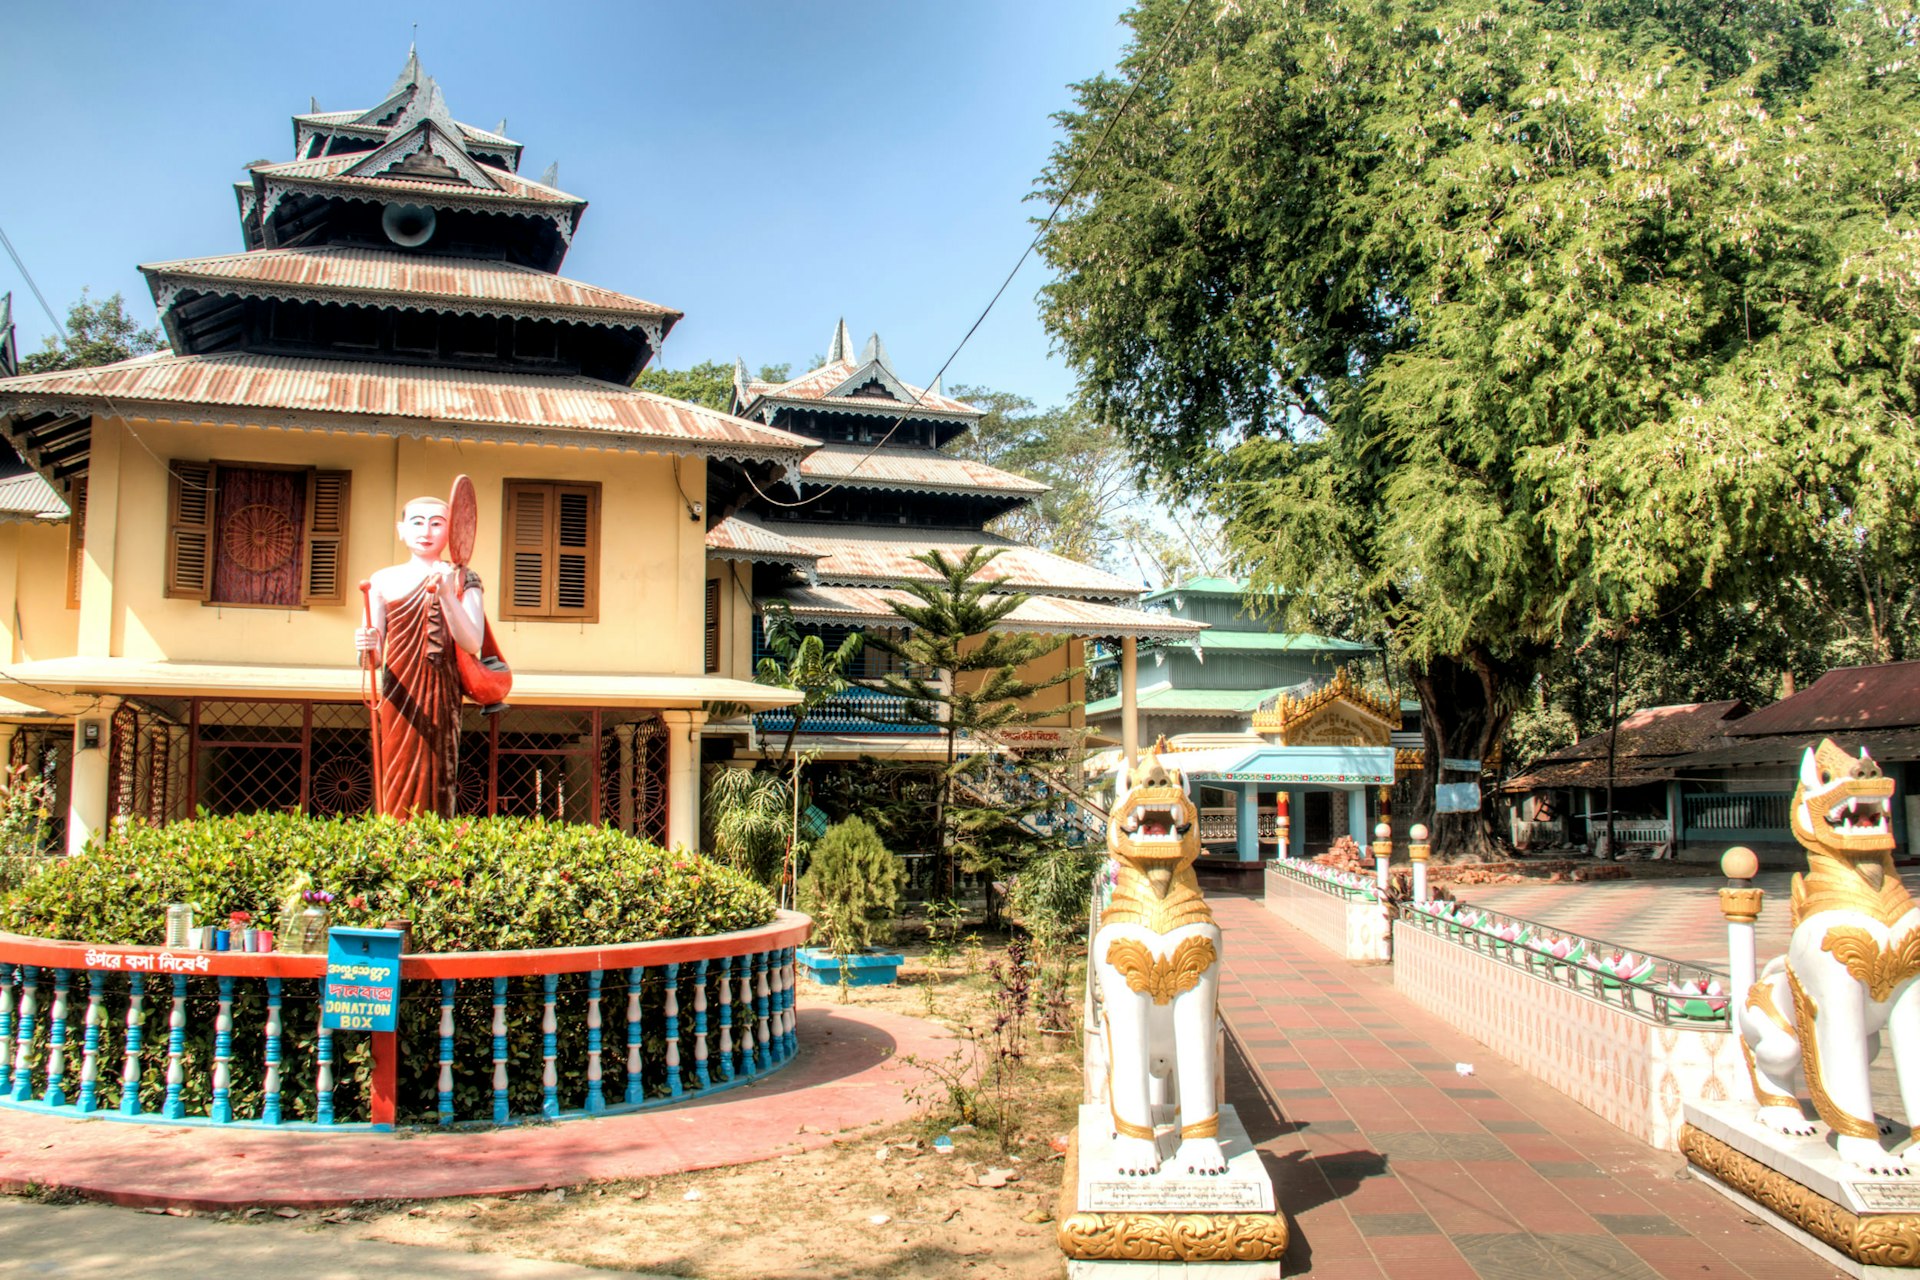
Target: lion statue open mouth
column 1811, row 1021
column 1156, row 959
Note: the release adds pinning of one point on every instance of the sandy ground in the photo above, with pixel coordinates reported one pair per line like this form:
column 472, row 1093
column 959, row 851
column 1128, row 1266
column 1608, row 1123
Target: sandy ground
column 876, row 1203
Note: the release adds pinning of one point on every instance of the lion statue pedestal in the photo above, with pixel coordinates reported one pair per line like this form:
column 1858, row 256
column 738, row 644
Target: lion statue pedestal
column 1161, row 1178
column 1840, row 1179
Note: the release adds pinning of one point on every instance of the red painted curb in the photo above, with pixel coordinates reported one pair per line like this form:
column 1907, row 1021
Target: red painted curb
column 847, row 1076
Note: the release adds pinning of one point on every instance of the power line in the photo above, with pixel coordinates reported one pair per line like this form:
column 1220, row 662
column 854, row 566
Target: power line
column 1046, row 225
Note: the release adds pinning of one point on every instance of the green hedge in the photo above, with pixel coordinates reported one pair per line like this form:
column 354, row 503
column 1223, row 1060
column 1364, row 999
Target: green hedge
column 484, row 884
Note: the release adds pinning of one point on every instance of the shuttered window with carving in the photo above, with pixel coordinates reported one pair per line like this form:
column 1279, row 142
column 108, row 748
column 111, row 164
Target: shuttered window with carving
column 713, row 625
column 76, row 541
column 253, row 535
column 550, row 559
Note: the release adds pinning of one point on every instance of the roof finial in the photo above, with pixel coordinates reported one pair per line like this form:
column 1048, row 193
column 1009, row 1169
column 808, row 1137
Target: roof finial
column 410, row 70
column 936, row 389
column 740, row 381
column 841, row 348
column 875, row 350
column 313, row 104
column 501, row 128
column 550, row 176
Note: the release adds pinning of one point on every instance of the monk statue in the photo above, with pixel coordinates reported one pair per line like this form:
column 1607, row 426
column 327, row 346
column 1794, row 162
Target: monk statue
column 419, row 616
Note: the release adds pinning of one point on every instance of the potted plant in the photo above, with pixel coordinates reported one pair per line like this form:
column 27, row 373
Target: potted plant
column 852, row 890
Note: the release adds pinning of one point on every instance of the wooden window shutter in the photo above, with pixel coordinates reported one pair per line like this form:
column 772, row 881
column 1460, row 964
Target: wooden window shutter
column 551, row 552
column 576, row 551
column 189, row 530
column 713, row 625
column 76, row 541
column 529, row 581
column 327, row 493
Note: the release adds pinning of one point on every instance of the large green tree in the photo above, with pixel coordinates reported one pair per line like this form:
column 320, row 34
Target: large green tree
column 97, row 333
column 1504, row 320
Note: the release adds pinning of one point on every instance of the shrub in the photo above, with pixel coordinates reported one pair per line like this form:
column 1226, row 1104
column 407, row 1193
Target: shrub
column 485, row 884
column 852, row 887
column 481, row 884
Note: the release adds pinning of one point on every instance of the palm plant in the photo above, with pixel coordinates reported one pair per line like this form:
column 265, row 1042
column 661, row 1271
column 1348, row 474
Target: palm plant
column 747, row 814
column 801, row 663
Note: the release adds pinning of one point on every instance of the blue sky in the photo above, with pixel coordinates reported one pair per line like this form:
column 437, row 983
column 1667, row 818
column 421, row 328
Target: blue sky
column 764, row 167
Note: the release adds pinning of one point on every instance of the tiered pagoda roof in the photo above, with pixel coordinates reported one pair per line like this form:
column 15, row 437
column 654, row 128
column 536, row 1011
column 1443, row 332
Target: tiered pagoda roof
column 398, row 277
column 881, row 491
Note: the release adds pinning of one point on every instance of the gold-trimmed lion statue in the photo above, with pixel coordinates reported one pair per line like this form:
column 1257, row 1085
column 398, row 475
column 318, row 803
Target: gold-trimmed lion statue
column 1156, row 956
column 1812, row 1021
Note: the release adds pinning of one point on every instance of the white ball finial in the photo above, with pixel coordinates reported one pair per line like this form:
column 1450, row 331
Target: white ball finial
column 1382, row 831
column 1418, row 833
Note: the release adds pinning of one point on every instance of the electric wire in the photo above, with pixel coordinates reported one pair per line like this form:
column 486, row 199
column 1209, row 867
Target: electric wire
column 1046, row 225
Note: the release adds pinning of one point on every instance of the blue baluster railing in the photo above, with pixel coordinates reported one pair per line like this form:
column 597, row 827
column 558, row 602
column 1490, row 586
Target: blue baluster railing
column 549, row 1047
column 57, row 1040
column 222, row 1112
column 760, row 1060
column 90, row 1047
column 270, row 1078
column 700, row 1025
column 174, row 1108
column 671, row 1014
column 136, row 1038
column 636, row 1088
column 447, row 987
column 724, row 985
column 323, row 1060
column 6, row 1030
column 23, row 1034
column 500, row 1109
column 743, row 1001
column 596, row 1095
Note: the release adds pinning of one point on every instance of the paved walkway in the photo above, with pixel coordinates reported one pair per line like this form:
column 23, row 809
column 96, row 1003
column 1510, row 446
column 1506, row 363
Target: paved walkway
column 89, row 1242
column 1393, row 1165
column 846, row 1077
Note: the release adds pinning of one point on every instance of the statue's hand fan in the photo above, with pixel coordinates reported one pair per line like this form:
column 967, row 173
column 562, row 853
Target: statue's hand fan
column 486, row 679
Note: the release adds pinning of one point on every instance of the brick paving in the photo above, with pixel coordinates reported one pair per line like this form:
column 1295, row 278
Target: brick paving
column 1392, row 1165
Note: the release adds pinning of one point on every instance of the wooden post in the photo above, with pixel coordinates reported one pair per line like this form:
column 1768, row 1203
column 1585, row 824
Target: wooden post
column 1130, row 702
column 386, row 1077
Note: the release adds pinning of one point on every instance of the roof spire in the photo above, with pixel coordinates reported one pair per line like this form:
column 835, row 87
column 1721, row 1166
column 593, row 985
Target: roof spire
column 501, row 128
column 875, row 350
column 9, row 348
column 936, row 389
column 740, row 381
column 550, row 176
column 841, row 348
column 313, row 104
column 409, row 73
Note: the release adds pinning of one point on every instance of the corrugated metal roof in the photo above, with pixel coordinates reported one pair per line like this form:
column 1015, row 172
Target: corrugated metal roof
column 818, row 384
column 918, row 470
column 471, row 132
column 1165, row 698
column 1055, row 615
column 27, row 496
column 1845, row 699
column 1205, row 586
column 883, row 554
column 740, row 538
column 332, row 169
column 335, row 271
column 1646, row 747
column 380, row 398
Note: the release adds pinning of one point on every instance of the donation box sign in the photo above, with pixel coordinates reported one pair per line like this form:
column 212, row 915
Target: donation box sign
column 362, row 989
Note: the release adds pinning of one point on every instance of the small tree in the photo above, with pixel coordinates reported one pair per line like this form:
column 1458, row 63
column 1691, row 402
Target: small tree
column 852, row 887
column 802, row 663
column 97, row 333
column 747, row 820
column 963, row 675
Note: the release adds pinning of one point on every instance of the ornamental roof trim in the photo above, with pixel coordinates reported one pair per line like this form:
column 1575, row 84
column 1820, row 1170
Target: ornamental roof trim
column 882, row 555
column 743, row 538
column 912, row 470
column 472, row 286
column 329, row 170
column 1045, row 614
column 837, row 379
column 397, row 400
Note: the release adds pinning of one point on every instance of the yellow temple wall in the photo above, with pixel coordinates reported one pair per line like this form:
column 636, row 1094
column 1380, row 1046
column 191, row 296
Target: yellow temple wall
column 736, row 617
column 34, row 617
column 651, row 581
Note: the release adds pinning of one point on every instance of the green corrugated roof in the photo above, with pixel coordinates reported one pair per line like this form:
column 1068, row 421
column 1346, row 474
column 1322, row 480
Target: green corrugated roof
column 1219, row 641
column 1201, row 587
column 1166, row 698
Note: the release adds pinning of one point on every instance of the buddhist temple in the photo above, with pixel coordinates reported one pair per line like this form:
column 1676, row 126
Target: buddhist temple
column 835, row 541
column 393, row 317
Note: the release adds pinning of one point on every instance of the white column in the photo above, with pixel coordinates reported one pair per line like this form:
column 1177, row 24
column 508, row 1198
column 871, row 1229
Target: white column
column 1417, row 851
column 1130, row 700
column 683, row 777
column 87, row 796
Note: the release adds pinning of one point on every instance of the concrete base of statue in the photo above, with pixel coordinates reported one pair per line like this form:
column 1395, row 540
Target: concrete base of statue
column 1228, row 1227
column 1866, row 1225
